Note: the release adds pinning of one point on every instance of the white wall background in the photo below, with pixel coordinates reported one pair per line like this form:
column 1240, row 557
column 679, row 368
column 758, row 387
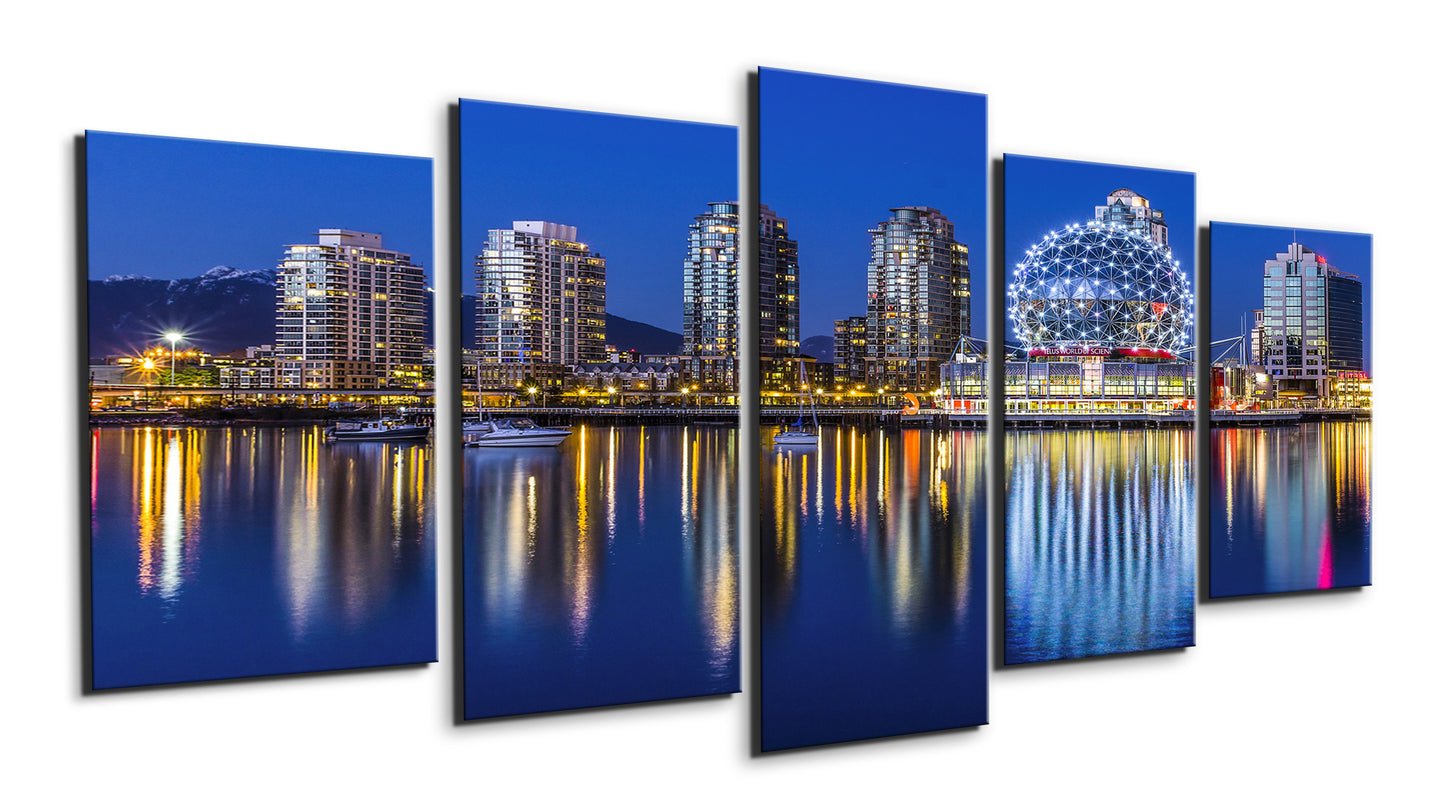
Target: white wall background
column 1320, row 114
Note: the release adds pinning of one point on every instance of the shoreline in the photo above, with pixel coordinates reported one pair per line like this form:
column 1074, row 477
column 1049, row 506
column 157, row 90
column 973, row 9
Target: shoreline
column 769, row 418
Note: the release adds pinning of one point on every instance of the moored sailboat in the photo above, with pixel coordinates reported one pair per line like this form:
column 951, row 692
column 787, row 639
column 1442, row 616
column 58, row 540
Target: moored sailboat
column 797, row 433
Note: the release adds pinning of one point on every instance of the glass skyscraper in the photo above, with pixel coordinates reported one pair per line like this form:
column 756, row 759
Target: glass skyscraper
column 1345, row 325
column 1313, row 316
column 710, row 298
column 918, row 298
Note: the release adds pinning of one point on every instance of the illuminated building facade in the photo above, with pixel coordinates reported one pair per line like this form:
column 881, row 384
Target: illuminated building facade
column 850, row 350
column 1128, row 210
column 710, row 298
column 350, row 314
column 778, row 303
column 1102, row 313
column 1123, row 385
column 541, row 303
column 628, row 377
column 1257, row 335
column 918, row 298
column 246, row 377
column 1313, row 323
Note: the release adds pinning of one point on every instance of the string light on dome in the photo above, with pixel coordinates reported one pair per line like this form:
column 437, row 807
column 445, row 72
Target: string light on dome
column 1074, row 267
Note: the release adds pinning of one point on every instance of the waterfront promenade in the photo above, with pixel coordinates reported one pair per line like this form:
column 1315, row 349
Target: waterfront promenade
column 672, row 415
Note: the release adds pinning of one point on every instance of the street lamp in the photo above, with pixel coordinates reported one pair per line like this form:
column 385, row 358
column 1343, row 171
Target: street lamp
column 173, row 336
column 531, row 396
column 611, row 390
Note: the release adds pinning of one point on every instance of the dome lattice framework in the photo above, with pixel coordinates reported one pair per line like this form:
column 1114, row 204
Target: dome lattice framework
column 1102, row 290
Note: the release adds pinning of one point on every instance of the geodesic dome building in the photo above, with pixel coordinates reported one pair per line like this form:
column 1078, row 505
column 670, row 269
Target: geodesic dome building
column 1099, row 289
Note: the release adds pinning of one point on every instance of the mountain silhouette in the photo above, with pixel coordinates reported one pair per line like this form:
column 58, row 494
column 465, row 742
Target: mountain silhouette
column 624, row 334
column 221, row 310
column 820, row 347
column 227, row 309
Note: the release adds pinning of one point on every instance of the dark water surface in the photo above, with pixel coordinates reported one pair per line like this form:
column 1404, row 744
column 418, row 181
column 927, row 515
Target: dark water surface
column 1100, row 542
column 230, row 552
column 873, row 585
column 1289, row 508
column 602, row 571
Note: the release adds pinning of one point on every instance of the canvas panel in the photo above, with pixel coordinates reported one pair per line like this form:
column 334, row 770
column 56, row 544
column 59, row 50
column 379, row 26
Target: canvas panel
column 247, row 304
column 872, row 488
column 1099, row 394
column 1291, row 388
column 599, row 369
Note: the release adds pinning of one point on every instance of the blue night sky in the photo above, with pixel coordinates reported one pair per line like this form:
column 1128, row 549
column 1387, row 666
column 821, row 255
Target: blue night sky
column 630, row 185
column 1237, row 253
column 172, row 208
column 836, row 154
column 1045, row 194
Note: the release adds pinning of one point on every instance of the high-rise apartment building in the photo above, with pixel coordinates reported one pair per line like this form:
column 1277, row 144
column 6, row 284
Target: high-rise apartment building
column 850, row 344
column 541, row 302
column 918, row 298
column 710, row 298
column 1126, row 209
column 1314, row 320
column 350, row 314
column 779, row 339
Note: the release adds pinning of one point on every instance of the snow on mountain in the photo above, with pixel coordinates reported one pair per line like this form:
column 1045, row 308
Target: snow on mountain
column 227, row 273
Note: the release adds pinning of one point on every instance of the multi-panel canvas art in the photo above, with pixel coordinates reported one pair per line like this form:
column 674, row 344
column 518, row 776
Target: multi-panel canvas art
column 262, row 403
column 1099, row 394
column 1290, row 409
column 873, row 527
column 599, row 389
column 260, row 383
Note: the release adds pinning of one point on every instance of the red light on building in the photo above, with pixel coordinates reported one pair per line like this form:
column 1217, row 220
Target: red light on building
column 1162, row 355
column 1101, row 352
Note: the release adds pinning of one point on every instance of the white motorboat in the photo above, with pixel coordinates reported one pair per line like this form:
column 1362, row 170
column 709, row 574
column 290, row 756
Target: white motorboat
column 376, row 430
column 516, row 432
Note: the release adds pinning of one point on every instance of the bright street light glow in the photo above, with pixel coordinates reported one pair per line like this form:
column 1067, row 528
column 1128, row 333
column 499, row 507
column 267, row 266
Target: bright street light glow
column 173, row 336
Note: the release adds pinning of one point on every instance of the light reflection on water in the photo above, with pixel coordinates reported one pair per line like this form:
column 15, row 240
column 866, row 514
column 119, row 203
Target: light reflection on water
column 1100, row 542
column 872, row 585
column 1290, row 508
column 225, row 552
column 581, row 590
